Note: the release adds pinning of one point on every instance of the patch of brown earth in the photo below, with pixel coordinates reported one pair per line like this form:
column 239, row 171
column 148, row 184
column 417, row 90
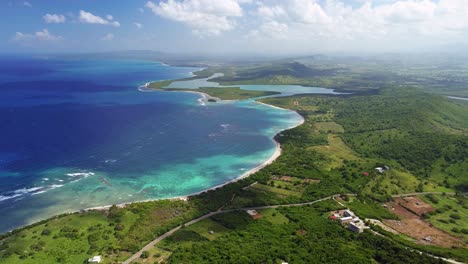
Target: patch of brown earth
column 415, row 205
column 412, row 225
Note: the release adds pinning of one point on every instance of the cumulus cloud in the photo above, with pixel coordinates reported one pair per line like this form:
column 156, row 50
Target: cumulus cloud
column 89, row 18
column 43, row 35
column 384, row 23
column 108, row 37
column 205, row 17
column 138, row 25
column 54, row 18
column 270, row 29
column 265, row 11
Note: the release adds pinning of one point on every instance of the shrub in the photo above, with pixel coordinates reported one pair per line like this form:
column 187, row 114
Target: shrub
column 455, row 216
column 46, row 232
column 144, row 254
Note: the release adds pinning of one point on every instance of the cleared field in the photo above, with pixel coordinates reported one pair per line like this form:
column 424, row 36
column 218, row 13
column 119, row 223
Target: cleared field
column 209, row 229
column 415, row 205
column 329, row 127
column 397, row 182
column 155, row 255
column 451, row 214
column 274, row 216
column 336, row 150
column 280, row 192
column 413, row 226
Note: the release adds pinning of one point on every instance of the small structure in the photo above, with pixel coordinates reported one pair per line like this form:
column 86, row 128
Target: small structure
column 254, row 214
column 428, row 238
column 357, row 226
column 95, row 259
column 380, row 170
column 348, row 213
column 365, row 173
column 345, row 220
column 211, row 232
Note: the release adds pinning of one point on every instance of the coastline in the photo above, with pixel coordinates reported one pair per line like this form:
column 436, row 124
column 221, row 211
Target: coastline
column 246, row 174
column 203, row 99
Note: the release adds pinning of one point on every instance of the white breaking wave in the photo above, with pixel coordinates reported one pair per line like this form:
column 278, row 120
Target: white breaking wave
column 20, row 192
column 201, row 101
column 5, row 197
column 83, row 174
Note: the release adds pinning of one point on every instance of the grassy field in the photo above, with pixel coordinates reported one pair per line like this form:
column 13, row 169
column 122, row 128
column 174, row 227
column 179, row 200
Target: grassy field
column 76, row 237
column 337, row 151
column 329, row 127
column 279, row 191
column 451, row 214
column 204, row 227
column 231, row 93
column 159, row 84
column 228, row 93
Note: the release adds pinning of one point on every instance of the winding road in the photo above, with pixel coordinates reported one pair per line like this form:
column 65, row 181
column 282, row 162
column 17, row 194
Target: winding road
column 196, row 220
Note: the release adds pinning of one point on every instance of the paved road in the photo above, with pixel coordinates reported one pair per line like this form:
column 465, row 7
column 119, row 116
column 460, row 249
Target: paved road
column 196, row 220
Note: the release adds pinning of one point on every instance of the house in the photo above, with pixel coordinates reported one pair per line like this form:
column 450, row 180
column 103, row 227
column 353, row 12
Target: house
column 211, row 232
column 380, row 170
column 252, row 212
column 95, row 259
column 357, row 226
column 345, row 220
column 348, row 213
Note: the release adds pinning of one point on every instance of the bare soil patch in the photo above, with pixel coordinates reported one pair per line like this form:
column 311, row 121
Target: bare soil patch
column 415, row 205
column 412, row 225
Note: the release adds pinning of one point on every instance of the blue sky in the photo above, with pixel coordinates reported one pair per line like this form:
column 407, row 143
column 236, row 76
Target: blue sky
column 233, row 26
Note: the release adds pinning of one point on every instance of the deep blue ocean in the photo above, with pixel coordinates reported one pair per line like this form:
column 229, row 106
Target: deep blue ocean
column 79, row 133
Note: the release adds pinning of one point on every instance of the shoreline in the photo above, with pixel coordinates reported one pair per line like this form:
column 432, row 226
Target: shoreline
column 246, row 174
column 204, row 98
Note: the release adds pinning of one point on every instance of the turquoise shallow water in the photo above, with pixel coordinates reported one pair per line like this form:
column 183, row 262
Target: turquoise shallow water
column 78, row 134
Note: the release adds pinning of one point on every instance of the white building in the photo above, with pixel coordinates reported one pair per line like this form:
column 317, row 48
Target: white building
column 380, row 169
column 345, row 220
column 95, row 259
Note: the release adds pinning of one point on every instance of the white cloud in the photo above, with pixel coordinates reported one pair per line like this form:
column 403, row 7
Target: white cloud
column 89, row 18
column 380, row 24
column 109, row 17
column 270, row 11
column 27, row 4
column 141, row 10
column 54, row 18
column 205, row 17
column 138, row 25
column 43, row 35
column 108, row 37
column 270, row 29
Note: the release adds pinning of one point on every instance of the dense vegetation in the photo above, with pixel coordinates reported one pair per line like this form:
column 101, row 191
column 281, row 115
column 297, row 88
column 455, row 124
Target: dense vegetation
column 445, row 75
column 307, row 237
